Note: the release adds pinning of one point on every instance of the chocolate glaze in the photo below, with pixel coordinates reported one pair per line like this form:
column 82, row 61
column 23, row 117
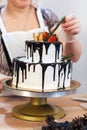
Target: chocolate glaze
column 62, row 67
column 18, row 64
column 33, row 46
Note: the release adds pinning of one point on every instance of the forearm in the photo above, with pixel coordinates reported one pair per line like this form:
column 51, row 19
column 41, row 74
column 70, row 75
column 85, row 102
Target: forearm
column 74, row 48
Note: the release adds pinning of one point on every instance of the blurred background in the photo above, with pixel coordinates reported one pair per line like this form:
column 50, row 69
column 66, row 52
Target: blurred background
column 78, row 8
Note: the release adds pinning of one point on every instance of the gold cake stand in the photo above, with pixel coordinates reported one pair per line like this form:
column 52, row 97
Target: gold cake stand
column 37, row 108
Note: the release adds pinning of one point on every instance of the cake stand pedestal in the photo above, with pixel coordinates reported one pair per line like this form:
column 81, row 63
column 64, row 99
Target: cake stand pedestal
column 37, row 108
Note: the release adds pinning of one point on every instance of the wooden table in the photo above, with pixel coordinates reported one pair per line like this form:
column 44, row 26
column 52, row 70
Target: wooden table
column 8, row 122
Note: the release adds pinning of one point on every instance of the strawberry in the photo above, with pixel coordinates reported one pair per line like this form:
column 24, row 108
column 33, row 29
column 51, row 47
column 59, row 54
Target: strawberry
column 45, row 35
column 53, row 38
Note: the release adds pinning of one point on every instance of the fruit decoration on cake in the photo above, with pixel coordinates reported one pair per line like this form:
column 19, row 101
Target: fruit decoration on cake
column 45, row 36
column 49, row 37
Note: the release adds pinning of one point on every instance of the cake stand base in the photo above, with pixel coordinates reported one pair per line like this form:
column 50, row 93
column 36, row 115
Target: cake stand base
column 37, row 110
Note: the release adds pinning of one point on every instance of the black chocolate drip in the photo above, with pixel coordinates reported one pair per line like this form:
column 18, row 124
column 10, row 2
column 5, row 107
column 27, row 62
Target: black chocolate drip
column 57, row 48
column 44, row 68
column 33, row 46
column 20, row 65
column 62, row 67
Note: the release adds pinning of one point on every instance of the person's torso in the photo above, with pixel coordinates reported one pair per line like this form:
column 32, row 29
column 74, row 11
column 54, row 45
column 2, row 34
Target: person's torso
column 14, row 42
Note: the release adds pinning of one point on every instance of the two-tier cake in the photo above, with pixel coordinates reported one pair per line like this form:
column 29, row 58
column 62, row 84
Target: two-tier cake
column 43, row 68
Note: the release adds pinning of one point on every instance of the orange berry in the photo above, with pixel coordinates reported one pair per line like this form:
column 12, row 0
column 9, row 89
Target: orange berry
column 45, row 35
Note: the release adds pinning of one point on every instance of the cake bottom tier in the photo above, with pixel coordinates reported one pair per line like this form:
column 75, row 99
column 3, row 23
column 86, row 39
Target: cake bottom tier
column 42, row 76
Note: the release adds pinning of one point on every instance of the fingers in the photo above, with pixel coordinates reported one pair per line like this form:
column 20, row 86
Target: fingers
column 75, row 29
column 71, row 25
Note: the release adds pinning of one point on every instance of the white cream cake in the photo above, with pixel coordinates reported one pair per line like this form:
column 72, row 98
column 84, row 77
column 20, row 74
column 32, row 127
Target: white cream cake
column 42, row 69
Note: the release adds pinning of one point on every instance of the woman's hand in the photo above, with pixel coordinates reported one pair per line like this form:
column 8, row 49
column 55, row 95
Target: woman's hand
column 71, row 25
